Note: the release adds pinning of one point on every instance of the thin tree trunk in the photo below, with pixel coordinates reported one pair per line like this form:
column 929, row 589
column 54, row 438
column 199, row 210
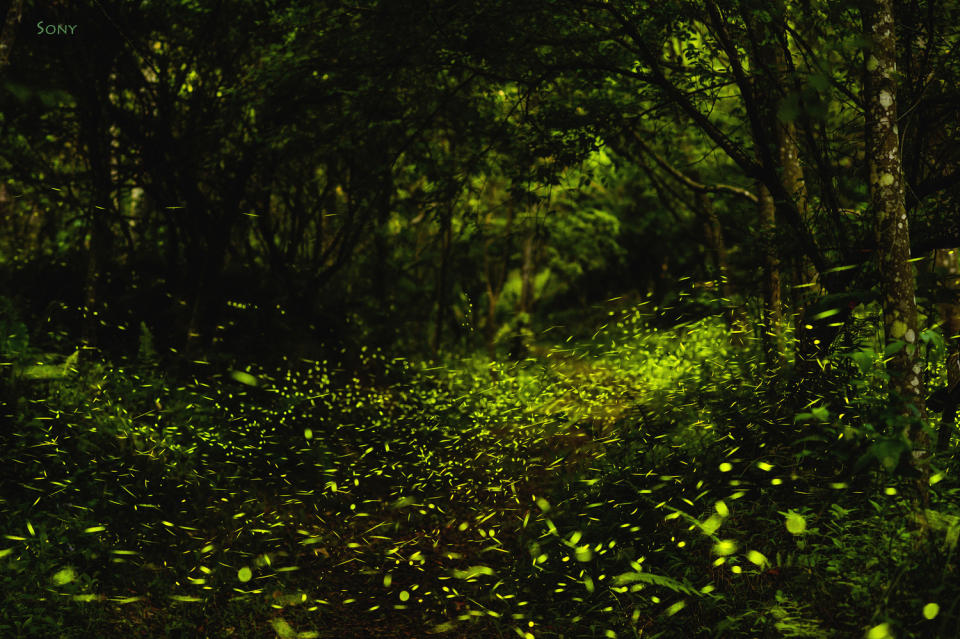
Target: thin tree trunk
column 495, row 282
column 99, row 150
column 772, row 337
column 519, row 347
column 736, row 315
column 491, row 324
column 897, row 281
column 446, row 232
column 781, row 153
column 9, row 33
column 806, row 280
column 946, row 260
column 526, row 275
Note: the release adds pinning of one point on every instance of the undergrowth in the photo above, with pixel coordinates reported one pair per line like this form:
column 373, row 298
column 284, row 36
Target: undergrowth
column 636, row 484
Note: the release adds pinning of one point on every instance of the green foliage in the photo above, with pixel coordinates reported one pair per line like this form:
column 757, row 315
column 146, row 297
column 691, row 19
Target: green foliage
column 435, row 179
column 601, row 486
column 14, row 339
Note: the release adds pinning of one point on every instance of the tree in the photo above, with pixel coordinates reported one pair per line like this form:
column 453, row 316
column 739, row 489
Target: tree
column 948, row 270
column 8, row 34
column 888, row 207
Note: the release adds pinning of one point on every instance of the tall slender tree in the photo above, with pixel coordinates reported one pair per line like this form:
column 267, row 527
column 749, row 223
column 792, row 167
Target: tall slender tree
column 886, row 186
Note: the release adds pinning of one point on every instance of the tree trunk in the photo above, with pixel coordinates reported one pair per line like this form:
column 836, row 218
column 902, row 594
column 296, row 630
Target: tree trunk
column 782, row 154
column 98, row 145
column 496, row 280
column 772, row 337
column 96, row 262
column 946, row 261
column 491, row 324
column 897, row 281
column 208, row 265
column 806, row 280
column 9, row 33
column 735, row 315
column 526, row 274
column 446, row 240
column 519, row 348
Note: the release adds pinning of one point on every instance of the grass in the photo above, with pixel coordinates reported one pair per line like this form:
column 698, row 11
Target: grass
column 633, row 484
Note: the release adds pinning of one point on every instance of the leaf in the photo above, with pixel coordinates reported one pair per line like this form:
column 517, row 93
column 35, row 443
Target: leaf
column 893, row 347
column 953, row 533
column 712, row 524
column 71, row 363
column 789, row 109
column 796, row 524
column 656, row 580
column 864, row 360
column 888, row 450
column 64, row 576
column 446, row 626
column 818, row 81
column 42, row 371
column 283, row 629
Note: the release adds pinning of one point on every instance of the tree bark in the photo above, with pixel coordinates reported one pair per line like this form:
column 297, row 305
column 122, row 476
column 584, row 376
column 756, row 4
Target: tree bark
column 772, row 337
column 9, row 33
column 736, row 315
column 446, row 241
column 767, row 84
column 495, row 280
column 887, row 202
column 519, row 348
column 946, row 260
column 806, row 285
column 97, row 140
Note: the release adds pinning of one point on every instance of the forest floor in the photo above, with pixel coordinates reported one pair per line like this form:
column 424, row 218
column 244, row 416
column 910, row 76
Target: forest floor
column 618, row 491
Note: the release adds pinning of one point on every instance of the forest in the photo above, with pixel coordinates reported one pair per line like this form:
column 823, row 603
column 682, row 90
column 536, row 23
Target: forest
column 479, row 319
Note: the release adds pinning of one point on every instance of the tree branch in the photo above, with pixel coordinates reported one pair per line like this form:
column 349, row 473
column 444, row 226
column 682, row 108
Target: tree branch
column 687, row 180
